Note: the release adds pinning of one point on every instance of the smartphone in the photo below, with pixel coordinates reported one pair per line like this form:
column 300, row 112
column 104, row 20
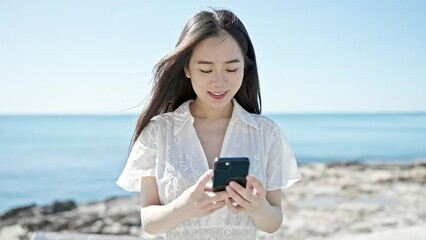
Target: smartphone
column 230, row 169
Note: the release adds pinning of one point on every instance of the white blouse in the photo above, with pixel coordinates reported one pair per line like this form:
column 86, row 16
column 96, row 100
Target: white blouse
column 169, row 149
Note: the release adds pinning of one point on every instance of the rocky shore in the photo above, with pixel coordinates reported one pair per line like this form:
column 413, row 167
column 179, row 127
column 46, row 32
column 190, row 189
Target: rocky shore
column 333, row 201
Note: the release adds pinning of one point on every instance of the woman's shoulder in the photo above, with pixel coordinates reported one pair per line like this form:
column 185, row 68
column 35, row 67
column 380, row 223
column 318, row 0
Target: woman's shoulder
column 181, row 112
column 157, row 124
column 265, row 122
column 162, row 117
column 161, row 120
column 255, row 119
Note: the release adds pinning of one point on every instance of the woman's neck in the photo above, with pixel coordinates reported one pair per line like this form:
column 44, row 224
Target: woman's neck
column 201, row 110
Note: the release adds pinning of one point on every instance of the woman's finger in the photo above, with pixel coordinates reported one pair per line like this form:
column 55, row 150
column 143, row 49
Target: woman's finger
column 203, row 180
column 216, row 205
column 217, row 196
column 236, row 197
column 248, row 196
column 208, row 187
column 257, row 185
column 231, row 207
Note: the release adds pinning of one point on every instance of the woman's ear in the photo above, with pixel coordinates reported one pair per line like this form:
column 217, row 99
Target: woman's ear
column 186, row 72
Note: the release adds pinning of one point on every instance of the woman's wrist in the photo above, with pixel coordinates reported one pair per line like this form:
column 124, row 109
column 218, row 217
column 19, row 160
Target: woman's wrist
column 263, row 209
column 267, row 218
column 177, row 210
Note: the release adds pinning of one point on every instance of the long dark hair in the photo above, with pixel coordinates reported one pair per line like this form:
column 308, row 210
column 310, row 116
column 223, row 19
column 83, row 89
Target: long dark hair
column 172, row 88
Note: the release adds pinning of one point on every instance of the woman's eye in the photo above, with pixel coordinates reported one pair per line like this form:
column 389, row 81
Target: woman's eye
column 232, row 70
column 205, row 71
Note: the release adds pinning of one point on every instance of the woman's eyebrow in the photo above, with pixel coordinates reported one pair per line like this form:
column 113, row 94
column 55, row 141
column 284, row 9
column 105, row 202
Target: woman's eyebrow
column 227, row 62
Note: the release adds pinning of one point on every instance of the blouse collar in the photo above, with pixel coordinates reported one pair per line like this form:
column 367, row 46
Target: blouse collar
column 182, row 115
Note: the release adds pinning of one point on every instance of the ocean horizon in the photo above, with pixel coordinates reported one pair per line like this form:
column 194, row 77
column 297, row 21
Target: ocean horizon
column 44, row 158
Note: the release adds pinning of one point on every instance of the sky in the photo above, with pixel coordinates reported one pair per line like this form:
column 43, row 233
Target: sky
column 96, row 57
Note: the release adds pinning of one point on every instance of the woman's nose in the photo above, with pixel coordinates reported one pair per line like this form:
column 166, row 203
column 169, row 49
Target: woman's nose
column 219, row 79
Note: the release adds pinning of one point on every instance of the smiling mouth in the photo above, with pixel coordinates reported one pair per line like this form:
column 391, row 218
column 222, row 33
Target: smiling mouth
column 218, row 95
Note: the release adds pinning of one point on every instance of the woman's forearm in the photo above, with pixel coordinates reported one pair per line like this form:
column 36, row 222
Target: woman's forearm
column 194, row 202
column 268, row 220
column 159, row 219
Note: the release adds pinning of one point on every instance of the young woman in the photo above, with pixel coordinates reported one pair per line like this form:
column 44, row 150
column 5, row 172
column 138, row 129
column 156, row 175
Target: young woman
column 206, row 104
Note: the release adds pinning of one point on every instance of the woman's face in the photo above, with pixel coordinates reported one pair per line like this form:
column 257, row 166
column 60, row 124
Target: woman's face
column 216, row 70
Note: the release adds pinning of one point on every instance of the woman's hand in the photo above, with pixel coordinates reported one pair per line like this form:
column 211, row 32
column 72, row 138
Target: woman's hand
column 251, row 199
column 199, row 200
column 264, row 207
column 196, row 201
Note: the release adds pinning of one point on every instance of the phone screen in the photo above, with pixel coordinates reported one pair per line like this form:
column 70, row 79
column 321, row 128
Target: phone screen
column 230, row 169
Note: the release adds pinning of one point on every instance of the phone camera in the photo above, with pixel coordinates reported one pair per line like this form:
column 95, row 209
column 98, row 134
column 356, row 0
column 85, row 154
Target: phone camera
column 226, row 168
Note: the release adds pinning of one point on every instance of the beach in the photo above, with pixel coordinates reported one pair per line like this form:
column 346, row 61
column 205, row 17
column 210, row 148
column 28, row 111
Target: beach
column 333, row 201
column 355, row 201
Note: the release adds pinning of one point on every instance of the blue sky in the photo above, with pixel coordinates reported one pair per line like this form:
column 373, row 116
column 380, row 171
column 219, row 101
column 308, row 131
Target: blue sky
column 313, row 56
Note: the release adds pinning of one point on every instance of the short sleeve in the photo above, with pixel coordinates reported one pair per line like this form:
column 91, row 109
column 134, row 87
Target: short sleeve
column 141, row 161
column 281, row 169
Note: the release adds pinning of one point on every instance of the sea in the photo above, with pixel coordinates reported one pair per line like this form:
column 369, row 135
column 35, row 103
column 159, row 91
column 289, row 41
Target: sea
column 47, row 158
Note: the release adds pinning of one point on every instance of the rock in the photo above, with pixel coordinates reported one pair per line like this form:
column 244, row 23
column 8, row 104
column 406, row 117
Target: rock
column 83, row 221
column 95, row 227
column 33, row 224
column 58, row 206
column 13, row 232
column 131, row 220
column 19, row 212
column 135, row 231
column 115, row 229
column 381, row 176
column 360, row 227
